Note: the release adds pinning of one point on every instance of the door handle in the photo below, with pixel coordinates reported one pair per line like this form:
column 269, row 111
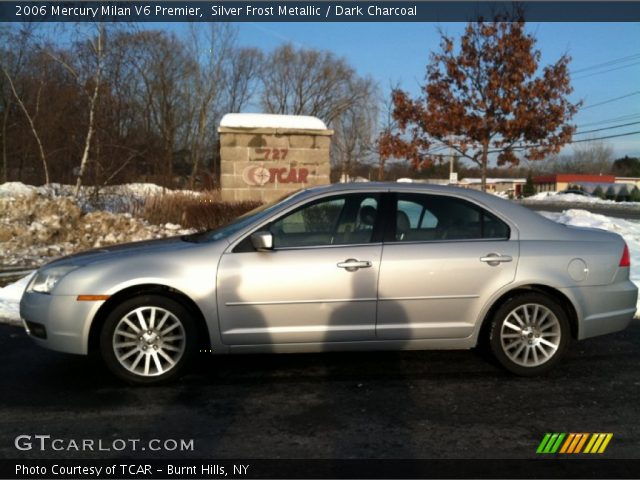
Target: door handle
column 352, row 264
column 495, row 259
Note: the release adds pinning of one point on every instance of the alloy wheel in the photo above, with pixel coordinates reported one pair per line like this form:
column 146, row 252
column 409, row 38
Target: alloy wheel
column 149, row 341
column 530, row 335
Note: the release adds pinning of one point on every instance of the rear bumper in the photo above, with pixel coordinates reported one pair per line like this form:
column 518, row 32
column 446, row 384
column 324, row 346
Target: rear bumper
column 603, row 309
column 65, row 320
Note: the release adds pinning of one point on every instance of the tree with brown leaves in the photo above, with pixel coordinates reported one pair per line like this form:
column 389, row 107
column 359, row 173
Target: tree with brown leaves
column 486, row 98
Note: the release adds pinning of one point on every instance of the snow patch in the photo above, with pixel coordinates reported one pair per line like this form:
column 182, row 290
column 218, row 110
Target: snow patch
column 267, row 120
column 541, row 196
column 504, row 195
column 10, row 300
column 16, row 189
column 50, row 222
column 554, row 197
column 576, row 198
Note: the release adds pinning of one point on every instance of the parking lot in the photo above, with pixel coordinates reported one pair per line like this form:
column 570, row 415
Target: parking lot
column 382, row 405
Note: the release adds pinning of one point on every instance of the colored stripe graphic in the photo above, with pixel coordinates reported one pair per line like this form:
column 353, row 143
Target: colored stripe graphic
column 543, row 443
column 598, row 442
column 550, row 443
column 568, row 443
column 574, row 443
column 553, row 443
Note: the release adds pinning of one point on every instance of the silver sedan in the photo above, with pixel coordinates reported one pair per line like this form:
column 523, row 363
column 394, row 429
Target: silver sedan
column 341, row 267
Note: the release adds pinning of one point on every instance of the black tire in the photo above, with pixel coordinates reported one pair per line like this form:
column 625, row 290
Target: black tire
column 540, row 343
column 153, row 355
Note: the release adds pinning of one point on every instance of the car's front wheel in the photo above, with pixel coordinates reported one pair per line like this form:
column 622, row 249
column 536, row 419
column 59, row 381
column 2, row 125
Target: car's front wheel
column 148, row 339
column 529, row 334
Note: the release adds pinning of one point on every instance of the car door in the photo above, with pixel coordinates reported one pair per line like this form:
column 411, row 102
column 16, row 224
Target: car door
column 445, row 258
column 317, row 284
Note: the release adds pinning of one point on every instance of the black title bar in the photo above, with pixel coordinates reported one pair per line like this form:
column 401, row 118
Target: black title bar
column 250, row 469
column 316, row 11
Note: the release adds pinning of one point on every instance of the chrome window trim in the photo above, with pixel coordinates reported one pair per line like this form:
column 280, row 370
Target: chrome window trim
column 241, row 236
column 336, row 245
column 238, row 237
column 473, row 202
column 444, row 240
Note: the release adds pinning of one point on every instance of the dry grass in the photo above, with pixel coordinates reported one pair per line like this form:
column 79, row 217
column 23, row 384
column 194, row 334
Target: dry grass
column 202, row 212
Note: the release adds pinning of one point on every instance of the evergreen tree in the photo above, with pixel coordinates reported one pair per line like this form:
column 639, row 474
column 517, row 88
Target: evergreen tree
column 529, row 189
column 598, row 192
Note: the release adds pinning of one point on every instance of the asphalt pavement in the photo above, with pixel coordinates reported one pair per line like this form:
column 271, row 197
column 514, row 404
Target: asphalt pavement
column 434, row 404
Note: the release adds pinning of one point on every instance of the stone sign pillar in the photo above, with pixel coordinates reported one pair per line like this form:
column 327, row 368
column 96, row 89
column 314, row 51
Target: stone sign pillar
column 262, row 157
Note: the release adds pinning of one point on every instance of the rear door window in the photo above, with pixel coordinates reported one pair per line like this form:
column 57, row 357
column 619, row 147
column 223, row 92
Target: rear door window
column 421, row 217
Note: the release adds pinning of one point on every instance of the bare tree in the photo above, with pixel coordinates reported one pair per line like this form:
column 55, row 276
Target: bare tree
column 210, row 50
column 245, row 66
column 308, row 82
column 88, row 76
column 594, row 157
column 388, row 126
column 24, row 41
column 12, row 50
column 164, row 69
column 354, row 139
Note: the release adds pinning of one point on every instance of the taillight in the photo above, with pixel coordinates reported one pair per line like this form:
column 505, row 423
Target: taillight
column 625, row 260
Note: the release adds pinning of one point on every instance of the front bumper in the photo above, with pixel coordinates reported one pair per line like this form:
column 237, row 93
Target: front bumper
column 66, row 321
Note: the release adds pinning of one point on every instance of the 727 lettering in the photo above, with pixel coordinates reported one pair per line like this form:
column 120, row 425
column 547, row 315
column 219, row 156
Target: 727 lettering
column 273, row 153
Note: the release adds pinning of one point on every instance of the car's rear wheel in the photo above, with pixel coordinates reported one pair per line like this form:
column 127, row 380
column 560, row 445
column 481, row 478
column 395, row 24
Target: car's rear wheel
column 529, row 334
column 148, row 339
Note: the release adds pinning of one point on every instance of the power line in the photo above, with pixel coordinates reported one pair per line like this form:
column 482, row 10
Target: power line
column 604, row 138
column 607, row 128
column 611, row 100
column 580, row 77
column 622, row 118
column 523, row 147
column 609, row 63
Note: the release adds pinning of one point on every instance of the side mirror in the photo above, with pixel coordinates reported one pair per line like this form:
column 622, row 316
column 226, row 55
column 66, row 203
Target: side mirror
column 262, row 241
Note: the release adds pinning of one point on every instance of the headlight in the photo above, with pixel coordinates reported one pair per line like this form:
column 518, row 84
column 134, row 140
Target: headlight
column 44, row 280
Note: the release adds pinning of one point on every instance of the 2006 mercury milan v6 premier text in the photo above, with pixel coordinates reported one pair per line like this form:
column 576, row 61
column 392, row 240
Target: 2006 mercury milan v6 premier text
column 341, row 267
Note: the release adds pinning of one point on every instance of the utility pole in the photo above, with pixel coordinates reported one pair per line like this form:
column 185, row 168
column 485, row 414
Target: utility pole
column 453, row 175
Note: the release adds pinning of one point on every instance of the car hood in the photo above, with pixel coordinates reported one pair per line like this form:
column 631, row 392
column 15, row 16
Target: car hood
column 116, row 252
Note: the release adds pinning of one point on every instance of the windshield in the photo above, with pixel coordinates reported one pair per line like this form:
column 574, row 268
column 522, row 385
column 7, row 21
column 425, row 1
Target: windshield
column 239, row 223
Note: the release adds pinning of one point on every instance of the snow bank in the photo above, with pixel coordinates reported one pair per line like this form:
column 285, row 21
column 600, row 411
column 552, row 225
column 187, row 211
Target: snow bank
column 10, row 300
column 16, row 189
column 112, row 198
column 576, row 198
column 35, row 229
column 38, row 224
column 573, row 198
column 541, row 196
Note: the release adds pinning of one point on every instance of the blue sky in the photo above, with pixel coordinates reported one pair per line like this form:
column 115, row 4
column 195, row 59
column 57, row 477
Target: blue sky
column 397, row 53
